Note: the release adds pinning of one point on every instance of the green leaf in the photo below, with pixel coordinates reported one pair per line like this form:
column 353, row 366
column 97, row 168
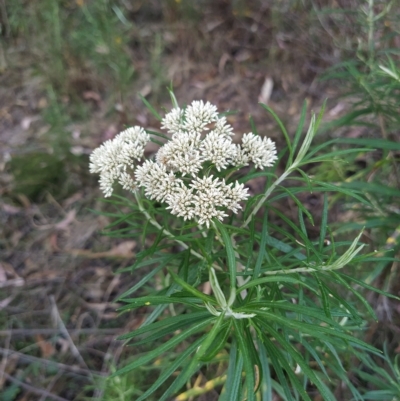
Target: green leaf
column 150, row 107
column 218, row 343
column 192, row 290
column 281, row 126
column 294, row 353
column 260, row 258
column 285, row 248
column 324, row 295
column 275, row 356
column 192, row 367
column 230, row 252
column 266, row 383
column 205, row 345
column 315, row 313
column 324, row 223
column 274, row 279
column 317, row 331
column 341, row 189
column 157, row 300
column 185, row 319
column 370, row 287
column 176, row 340
column 234, row 374
column 248, row 363
column 187, row 371
column 373, row 143
column 148, row 276
column 173, row 98
column 298, row 133
column 171, row 368
column 253, row 126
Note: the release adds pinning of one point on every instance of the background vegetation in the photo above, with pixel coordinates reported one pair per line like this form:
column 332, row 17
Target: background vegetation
column 71, row 72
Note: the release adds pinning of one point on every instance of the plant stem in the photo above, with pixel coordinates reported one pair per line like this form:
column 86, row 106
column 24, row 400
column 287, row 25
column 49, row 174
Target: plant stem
column 267, row 194
column 166, row 232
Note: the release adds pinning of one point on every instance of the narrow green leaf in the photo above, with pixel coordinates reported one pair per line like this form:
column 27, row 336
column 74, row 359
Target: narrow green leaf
column 303, row 227
column 192, row 367
column 187, row 371
column 150, row 107
column 324, row 223
column 370, row 287
column 147, row 277
column 218, row 343
column 266, row 384
column 192, row 290
column 320, row 115
column 205, row 345
column 314, row 354
column 339, row 188
column 159, row 134
column 285, row 248
column 357, row 294
column 308, row 311
column 171, row 320
column 324, row 296
column 273, row 353
column 373, row 143
column 230, row 252
column 263, row 243
column 317, row 331
column 234, row 375
column 294, row 353
column 170, row 369
column 298, row 133
column 163, row 348
column 157, row 300
column 155, row 335
column 253, row 126
column 248, row 363
column 173, row 98
column 281, row 126
column 275, row 279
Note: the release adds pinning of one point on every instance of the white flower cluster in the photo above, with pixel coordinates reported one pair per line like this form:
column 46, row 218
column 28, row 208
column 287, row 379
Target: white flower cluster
column 180, row 174
column 114, row 157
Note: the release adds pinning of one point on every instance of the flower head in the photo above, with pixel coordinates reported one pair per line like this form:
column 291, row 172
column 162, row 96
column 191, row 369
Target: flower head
column 185, row 172
column 260, row 151
column 115, row 156
column 218, row 149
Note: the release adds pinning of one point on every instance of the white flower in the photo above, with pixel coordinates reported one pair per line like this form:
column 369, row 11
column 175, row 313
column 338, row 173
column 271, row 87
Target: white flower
column 173, row 121
column 158, row 184
column 241, row 157
column 106, row 183
column 134, row 136
column 223, row 128
column 260, row 151
column 105, row 158
column 218, row 149
column 207, row 198
column 198, row 115
column 127, row 182
column 142, row 171
column 114, row 156
column 234, row 195
column 132, row 143
column 181, row 202
column 181, row 154
column 189, row 163
column 180, row 175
